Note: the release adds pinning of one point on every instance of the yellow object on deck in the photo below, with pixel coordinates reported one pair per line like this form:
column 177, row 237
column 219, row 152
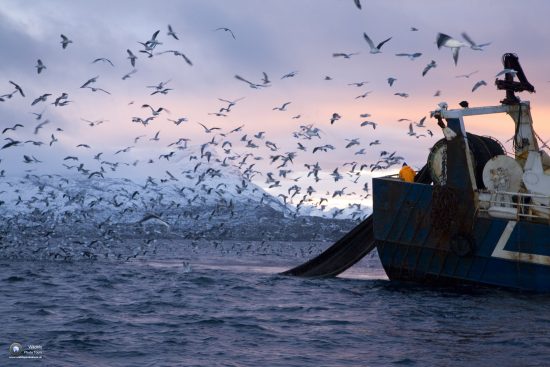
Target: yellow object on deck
column 407, row 174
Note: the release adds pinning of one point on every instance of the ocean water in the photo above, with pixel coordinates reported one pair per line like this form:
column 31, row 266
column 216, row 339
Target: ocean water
column 224, row 304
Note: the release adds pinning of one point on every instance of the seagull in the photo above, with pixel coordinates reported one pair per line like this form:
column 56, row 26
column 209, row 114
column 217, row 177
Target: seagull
column 157, row 111
column 171, row 32
column 358, row 84
column 420, row 123
column 431, row 65
column 65, row 41
column 478, row 84
column 352, row 142
column 364, row 95
column 473, row 45
column 357, row 4
column 507, row 71
column 373, row 49
column 129, row 74
column 250, row 84
column 365, row 123
column 410, row 56
column 132, row 57
column 98, row 89
column 335, row 117
column 265, row 79
column 39, row 66
column 177, row 53
column 391, row 81
column 42, row 98
column 89, row 81
column 444, row 40
column 179, row 120
column 227, row 30
column 283, row 107
column 208, row 130
column 152, row 43
column 103, row 59
column 289, row 75
column 411, row 131
column 466, row 75
column 344, row 55
column 40, row 125
column 12, row 128
column 18, row 88
column 404, row 95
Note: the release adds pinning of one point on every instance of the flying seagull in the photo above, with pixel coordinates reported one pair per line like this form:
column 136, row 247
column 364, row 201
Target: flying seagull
column 344, row 55
column 227, row 30
column 171, row 32
column 410, row 56
column 431, row 65
column 467, row 75
column 478, row 84
column 444, row 40
column 373, row 49
column 18, row 88
column 357, row 4
column 132, row 57
column 39, row 66
column 103, row 59
column 65, row 41
column 89, row 81
column 473, row 45
column 506, row 71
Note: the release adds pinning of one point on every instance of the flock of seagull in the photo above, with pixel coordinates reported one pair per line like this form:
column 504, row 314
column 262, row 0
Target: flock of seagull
column 246, row 151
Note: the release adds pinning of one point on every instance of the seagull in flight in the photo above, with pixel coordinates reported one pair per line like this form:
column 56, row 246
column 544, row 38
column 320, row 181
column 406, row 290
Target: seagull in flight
column 373, row 49
column 126, row 76
column 18, row 88
column 227, row 30
column 467, row 75
column 42, row 98
column 478, row 84
column 89, row 81
column 431, row 65
column 410, row 56
column 103, row 59
column 208, row 130
column 65, row 41
column 507, row 71
column 283, row 107
column 171, row 32
column 39, row 66
column 391, row 81
column 473, row 45
column 289, row 75
column 250, row 84
column 132, row 57
column 444, row 40
column 344, row 55
column 357, row 4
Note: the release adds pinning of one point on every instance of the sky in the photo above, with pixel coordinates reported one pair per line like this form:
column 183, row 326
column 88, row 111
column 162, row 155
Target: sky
column 272, row 36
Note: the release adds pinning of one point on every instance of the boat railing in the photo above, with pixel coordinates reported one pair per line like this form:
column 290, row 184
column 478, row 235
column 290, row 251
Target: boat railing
column 514, row 205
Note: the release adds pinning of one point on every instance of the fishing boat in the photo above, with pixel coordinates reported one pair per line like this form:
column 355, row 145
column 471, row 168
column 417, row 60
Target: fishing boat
column 473, row 215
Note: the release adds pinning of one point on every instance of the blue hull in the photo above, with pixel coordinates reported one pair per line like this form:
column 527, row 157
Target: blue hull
column 479, row 250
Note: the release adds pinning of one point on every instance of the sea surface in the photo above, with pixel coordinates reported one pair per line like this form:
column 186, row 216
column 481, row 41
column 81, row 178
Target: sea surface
column 224, row 304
